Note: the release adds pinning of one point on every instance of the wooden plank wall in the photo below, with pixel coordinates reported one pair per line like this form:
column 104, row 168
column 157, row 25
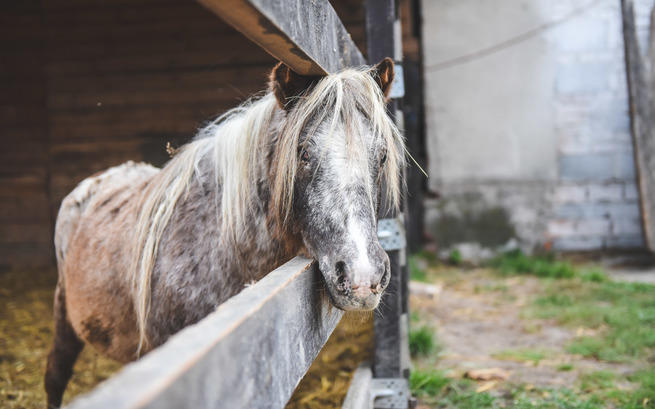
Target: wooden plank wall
column 88, row 84
column 125, row 77
column 25, row 230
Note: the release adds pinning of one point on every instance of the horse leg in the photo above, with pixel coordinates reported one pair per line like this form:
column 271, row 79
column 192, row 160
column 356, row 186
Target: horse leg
column 64, row 352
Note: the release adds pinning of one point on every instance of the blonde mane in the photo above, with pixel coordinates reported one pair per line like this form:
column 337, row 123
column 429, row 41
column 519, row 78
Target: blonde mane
column 238, row 142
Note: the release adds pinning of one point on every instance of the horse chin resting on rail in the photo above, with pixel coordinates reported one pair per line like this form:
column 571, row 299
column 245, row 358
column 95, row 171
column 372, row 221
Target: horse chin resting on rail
column 143, row 252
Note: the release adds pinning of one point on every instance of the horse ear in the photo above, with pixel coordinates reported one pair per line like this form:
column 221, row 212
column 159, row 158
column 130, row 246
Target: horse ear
column 287, row 85
column 383, row 74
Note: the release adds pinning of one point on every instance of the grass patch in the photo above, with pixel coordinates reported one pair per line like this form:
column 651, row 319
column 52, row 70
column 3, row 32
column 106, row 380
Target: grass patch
column 622, row 313
column 455, row 257
column 416, row 273
column 522, row 355
column 598, row 380
column 594, row 275
column 555, row 399
column 494, row 287
column 439, row 391
column 427, row 383
column 515, row 262
column 565, row 367
column 644, row 396
column 421, row 341
column 435, row 388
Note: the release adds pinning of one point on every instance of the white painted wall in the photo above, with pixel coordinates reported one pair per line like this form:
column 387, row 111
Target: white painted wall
column 490, row 118
column 526, row 106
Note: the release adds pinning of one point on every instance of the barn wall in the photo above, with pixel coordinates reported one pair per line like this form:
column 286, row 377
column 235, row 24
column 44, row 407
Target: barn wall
column 25, row 224
column 529, row 139
column 89, row 84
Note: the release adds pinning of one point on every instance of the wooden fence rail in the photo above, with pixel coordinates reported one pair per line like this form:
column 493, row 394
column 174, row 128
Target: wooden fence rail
column 306, row 35
column 250, row 353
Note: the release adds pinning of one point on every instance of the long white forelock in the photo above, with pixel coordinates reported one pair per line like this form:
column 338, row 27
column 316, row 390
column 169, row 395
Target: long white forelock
column 237, row 143
column 341, row 98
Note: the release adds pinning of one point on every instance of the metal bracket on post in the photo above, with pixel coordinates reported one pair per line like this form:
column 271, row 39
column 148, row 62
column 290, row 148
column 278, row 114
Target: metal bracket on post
column 391, row 233
column 390, row 393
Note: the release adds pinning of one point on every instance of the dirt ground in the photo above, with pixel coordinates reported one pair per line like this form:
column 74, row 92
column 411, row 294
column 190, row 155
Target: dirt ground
column 479, row 322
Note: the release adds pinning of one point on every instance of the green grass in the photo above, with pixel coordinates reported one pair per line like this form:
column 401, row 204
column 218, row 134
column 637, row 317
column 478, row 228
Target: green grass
column 495, row 287
column 622, row 313
column 416, row 273
column 594, row 275
column 555, row 399
column 523, row 355
column 515, row 262
column 644, row 396
column 427, row 383
column 455, row 257
column 565, row 367
column 597, row 380
column 421, row 341
column 437, row 390
column 600, row 386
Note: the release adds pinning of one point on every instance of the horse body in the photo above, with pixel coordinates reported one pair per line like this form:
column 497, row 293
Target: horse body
column 93, row 267
column 144, row 252
column 94, row 243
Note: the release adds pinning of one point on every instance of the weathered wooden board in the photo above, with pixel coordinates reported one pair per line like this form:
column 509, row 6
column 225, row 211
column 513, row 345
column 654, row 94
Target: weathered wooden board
column 642, row 117
column 24, row 167
column 307, row 36
column 250, row 353
column 359, row 394
column 388, row 360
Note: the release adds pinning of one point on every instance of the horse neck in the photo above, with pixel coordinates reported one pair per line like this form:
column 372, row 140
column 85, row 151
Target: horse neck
column 258, row 245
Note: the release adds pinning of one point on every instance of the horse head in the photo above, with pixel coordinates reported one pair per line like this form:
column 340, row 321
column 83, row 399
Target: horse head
column 337, row 156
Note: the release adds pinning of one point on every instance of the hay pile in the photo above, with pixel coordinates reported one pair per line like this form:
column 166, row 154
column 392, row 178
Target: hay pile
column 327, row 381
column 26, row 337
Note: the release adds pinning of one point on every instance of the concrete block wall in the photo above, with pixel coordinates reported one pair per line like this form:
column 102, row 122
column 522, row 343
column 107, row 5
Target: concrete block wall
column 554, row 120
column 596, row 205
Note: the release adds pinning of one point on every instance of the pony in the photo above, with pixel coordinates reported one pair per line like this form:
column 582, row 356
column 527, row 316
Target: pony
column 143, row 252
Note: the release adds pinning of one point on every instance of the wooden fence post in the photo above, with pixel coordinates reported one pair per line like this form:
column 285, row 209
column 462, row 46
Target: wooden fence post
column 391, row 360
column 642, row 116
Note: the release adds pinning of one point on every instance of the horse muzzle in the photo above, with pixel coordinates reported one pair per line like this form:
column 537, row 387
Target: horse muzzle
column 356, row 286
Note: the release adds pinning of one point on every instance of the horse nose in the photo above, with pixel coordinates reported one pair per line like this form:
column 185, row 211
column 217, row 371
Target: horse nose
column 362, row 276
column 363, row 291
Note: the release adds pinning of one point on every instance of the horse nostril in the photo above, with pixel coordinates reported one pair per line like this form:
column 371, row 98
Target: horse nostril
column 376, row 288
column 340, row 268
column 343, row 283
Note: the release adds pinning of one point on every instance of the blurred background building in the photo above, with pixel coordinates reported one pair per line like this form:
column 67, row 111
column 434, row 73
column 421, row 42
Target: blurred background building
column 528, row 126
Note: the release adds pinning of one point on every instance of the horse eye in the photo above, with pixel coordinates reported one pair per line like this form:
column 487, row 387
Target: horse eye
column 384, row 159
column 304, row 156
